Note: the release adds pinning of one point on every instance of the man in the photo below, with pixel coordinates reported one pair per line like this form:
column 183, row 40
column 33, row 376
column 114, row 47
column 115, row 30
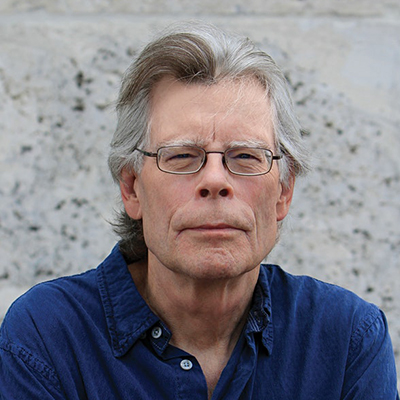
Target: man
column 206, row 152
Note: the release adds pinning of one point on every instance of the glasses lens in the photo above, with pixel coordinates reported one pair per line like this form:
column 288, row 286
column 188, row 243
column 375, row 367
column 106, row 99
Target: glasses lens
column 180, row 159
column 249, row 161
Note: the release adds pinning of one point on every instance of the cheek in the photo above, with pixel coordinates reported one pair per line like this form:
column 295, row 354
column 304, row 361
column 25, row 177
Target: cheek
column 266, row 215
column 159, row 204
column 265, row 211
column 263, row 197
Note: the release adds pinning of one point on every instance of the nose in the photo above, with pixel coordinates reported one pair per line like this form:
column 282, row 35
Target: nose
column 214, row 178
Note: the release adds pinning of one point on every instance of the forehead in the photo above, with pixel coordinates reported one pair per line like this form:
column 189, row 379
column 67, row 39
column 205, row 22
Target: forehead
column 231, row 110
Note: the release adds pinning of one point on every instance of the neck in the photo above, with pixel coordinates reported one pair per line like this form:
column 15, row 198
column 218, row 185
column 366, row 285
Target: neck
column 205, row 317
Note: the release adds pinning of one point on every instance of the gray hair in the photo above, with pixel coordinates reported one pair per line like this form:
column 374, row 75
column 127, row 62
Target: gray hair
column 196, row 53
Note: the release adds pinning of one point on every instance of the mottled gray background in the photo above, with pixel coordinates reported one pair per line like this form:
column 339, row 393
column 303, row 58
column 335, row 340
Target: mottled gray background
column 60, row 66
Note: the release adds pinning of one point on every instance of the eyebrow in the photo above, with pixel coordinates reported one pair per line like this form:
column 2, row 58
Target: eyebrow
column 181, row 142
column 250, row 143
column 201, row 142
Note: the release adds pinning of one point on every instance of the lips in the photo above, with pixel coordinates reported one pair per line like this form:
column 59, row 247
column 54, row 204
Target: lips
column 214, row 227
column 213, row 221
column 212, row 230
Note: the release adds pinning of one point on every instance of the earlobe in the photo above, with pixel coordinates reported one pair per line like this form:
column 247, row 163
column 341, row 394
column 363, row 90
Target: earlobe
column 285, row 199
column 128, row 186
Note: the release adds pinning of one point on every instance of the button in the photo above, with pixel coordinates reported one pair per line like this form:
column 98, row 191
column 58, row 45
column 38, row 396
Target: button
column 156, row 332
column 186, row 365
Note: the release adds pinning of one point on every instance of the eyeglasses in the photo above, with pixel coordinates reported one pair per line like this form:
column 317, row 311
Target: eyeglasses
column 184, row 160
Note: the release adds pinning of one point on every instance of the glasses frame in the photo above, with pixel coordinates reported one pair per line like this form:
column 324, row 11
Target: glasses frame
column 205, row 152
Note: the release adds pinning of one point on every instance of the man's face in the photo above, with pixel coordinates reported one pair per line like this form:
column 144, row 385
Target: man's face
column 211, row 224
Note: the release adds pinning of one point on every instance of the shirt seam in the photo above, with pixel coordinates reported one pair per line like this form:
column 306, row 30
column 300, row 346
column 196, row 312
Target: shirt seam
column 31, row 361
column 362, row 329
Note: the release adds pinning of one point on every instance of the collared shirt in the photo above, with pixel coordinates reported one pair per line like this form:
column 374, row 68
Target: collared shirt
column 92, row 336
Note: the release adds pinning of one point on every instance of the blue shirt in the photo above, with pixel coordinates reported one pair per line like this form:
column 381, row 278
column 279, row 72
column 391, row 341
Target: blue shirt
column 92, row 336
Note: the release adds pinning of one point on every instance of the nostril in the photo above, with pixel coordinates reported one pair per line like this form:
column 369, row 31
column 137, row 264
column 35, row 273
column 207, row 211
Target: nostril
column 223, row 192
column 203, row 192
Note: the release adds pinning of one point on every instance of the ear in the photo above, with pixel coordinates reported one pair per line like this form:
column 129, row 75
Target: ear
column 285, row 199
column 128, row 186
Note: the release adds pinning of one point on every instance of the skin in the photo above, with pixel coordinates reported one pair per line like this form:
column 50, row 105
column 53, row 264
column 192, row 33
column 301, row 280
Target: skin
column 208, row 232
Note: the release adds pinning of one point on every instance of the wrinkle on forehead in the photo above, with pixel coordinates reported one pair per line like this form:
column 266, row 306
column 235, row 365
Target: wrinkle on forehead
column 233, row 99
column 240, row 87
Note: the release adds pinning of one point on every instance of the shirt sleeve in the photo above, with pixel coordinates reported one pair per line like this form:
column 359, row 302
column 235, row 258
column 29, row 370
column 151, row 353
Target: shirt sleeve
column 23, row 376
column 371, row 370
column 24, row 373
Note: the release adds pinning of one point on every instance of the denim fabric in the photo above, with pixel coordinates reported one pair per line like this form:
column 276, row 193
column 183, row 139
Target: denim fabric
column 92, row 336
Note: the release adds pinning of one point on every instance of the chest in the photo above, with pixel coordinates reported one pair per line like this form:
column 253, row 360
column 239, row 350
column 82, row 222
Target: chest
column 251, row 373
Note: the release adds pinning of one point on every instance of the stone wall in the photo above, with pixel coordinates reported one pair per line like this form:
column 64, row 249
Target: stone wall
column 60, row 68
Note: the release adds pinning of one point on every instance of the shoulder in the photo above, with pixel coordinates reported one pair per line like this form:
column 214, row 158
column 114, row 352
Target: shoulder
column 309, row 289
column 310, row 299
column 314, row 321
column 333, row 323
column 44, row 307
column 61, row 290
column 36, row 326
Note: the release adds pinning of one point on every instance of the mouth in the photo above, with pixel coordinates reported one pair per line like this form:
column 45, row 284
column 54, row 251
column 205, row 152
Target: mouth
column 214, row 225
column 214, row 229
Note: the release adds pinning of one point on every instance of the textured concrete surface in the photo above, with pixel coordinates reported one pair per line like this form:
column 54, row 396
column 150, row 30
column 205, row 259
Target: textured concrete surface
column 60, row 68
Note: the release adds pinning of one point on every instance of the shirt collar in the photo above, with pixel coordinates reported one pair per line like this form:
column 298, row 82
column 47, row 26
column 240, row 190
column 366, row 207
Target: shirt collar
column 129, row 317
column 127, row 314
column 260, row 315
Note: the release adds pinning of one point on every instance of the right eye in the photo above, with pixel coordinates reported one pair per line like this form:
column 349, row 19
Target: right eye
column 179, row 154
column 180, row 159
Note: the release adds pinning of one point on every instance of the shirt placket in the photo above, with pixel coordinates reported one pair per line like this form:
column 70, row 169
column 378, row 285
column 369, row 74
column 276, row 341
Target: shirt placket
column 189, row 379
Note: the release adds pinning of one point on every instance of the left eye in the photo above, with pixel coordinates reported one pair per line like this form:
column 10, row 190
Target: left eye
column 244, row 156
